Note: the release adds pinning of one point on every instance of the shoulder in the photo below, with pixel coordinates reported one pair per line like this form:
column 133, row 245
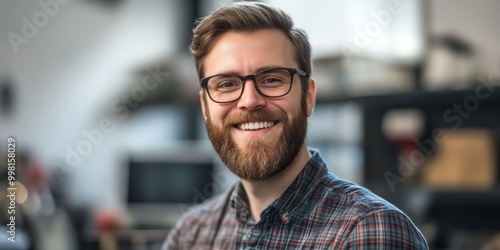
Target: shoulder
column 351, row 196
column 374, row 223
column 211, row 206
column 385, row 229
column 203, row 214
column 197, row 222
column 340, row 194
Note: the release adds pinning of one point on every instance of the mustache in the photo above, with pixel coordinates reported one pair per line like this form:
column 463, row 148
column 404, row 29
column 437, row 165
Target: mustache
column 255, row 116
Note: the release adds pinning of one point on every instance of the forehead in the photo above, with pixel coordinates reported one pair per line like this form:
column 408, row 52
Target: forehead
column 247, row 52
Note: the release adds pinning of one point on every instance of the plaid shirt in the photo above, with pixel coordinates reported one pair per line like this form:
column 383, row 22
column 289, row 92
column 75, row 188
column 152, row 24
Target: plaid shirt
column 317, row 211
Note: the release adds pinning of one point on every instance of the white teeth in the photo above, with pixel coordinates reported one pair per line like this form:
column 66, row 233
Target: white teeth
column 255, row 125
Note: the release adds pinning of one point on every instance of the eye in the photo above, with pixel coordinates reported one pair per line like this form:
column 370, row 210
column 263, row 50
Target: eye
column 226, row 85
column 271, row 79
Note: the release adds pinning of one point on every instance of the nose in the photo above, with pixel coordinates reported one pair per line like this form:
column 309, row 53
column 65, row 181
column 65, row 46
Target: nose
column 250, row 98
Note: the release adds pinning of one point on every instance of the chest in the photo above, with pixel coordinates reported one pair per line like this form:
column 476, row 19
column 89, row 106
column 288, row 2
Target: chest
column 273, row 233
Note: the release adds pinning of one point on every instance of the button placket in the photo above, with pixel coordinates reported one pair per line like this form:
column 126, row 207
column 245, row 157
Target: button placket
column 253, row 235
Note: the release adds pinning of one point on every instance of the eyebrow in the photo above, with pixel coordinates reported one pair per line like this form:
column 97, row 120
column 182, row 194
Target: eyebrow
column 258, row 70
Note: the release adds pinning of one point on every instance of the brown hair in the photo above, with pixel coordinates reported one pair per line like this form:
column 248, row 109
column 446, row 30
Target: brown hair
column 247, row 17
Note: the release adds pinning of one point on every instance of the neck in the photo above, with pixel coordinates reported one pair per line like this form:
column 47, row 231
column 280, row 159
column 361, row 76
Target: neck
column 264, row 192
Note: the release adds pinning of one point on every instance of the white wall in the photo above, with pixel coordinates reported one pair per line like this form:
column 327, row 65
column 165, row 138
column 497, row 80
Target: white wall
column 337, row 26
column 72, row 70
column 474, row 21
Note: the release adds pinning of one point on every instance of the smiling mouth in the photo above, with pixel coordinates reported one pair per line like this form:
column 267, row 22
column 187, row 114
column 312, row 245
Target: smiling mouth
column 255, row 125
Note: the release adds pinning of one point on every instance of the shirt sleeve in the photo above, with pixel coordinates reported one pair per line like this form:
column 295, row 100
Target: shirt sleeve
column 386, row 229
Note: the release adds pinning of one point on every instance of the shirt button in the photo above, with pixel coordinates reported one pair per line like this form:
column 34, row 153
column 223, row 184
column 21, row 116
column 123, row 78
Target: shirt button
column 285, row 218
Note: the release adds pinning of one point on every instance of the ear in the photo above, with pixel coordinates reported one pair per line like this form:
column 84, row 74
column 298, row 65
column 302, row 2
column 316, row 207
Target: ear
column 311, row 96
column 203, row 102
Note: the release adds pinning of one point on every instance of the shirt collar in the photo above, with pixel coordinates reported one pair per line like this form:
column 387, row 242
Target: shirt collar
column 289, row 204
column 239, row 202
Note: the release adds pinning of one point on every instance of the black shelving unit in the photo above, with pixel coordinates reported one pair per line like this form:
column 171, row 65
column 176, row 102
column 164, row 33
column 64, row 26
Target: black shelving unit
column 448, row 211
column 381, row 154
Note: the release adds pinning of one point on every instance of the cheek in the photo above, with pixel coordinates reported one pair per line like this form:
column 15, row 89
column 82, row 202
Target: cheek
column 297, row 106
column 216, row 114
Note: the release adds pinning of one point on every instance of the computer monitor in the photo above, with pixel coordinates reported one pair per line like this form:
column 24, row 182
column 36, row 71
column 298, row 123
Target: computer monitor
column 169, row 181
column 162, row 184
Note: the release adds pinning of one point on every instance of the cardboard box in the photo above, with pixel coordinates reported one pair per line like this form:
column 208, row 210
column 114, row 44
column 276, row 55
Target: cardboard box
column 464, row 160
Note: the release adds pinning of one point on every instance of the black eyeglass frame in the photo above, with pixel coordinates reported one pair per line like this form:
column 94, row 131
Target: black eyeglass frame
column 253, row 77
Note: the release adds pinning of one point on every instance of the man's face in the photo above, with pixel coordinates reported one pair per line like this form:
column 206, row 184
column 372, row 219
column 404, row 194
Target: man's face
column 279, row 124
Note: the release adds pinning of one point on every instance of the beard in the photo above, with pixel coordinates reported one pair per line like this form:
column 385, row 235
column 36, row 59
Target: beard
column 259, row 158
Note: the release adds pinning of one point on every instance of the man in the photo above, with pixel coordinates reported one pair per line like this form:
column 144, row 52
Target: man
column 256, row 96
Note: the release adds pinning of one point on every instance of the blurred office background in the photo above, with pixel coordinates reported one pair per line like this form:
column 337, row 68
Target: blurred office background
column 101, row 97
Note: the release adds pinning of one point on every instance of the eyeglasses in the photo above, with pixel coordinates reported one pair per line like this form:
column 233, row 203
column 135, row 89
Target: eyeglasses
column 273, row 83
